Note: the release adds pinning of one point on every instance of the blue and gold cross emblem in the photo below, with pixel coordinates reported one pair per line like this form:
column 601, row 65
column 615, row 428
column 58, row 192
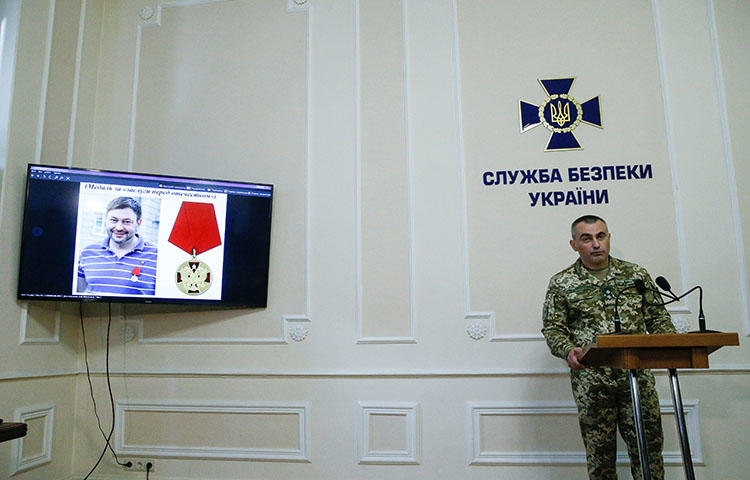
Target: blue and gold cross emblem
column 560, row 113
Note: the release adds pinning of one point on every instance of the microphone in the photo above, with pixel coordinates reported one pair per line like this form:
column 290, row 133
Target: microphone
column 664, row 285
column 640, row 285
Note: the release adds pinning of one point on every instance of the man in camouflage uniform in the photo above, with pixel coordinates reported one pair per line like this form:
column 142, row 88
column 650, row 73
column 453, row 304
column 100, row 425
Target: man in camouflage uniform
column 580, row 304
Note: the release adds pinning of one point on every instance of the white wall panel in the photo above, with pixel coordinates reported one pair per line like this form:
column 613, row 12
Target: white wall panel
column 532, row 426
column 36, row 447
column 384, row 175
column 700, row 158
column 503, row 51
column 209, row 101
column 727, row 37
column 402, row 288
column 250, row 431
column 388, row 433
column 44, row 327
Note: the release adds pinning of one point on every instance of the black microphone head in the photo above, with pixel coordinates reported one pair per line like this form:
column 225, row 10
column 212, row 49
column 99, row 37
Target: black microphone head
column 639, row 285
column 663, row 284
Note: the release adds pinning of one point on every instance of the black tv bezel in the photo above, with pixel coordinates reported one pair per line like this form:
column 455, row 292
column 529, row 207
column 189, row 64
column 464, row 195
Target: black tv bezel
column 149, row 300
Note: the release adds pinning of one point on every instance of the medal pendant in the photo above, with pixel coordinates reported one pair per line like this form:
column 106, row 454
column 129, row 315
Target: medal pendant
column 193, row 277
column 195, row 231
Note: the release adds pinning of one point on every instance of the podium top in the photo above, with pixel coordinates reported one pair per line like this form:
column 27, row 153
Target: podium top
column 667, row 340
column 674, row 350
column 9, row 431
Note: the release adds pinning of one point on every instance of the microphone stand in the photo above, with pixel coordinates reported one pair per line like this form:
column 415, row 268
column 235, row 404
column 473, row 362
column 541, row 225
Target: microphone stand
column 635, row 394
column 701, row 317
column 687, row 459
column 674, row 298
column 618, row 327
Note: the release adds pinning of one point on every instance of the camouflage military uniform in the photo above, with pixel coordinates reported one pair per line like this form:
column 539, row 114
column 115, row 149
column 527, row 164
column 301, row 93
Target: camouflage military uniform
column 577, row 307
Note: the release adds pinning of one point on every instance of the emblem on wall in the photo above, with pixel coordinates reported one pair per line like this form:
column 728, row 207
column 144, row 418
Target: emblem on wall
column 560, row 113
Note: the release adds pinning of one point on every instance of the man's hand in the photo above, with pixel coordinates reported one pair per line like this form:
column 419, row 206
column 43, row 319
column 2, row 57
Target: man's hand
column 574, row 357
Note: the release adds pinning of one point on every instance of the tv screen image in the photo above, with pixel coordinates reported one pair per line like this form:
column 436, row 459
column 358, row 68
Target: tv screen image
column 95, row 235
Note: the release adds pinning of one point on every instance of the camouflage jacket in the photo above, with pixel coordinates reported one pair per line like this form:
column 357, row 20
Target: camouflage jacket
column 578, row 306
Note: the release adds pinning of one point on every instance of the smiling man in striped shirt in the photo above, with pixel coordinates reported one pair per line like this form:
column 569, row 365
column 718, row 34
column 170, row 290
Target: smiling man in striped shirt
column 124, row 263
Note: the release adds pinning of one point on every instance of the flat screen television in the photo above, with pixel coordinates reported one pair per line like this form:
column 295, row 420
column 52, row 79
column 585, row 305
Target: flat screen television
column 107, row 236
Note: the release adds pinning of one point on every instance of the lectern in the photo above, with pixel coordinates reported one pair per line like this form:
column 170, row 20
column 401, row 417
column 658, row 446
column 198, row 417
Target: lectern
column 9, row 431
column 670, row 351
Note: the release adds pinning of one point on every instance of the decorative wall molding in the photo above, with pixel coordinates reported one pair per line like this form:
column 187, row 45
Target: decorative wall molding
column 76, row 83
column 11, row 12
column 297, row 5
column 678, row 210
column 19, row 461
column 744, row 283
column 399, row 339
column 488, row 319
column 479, row 456
column 151, row 18
column 291, row 326
column 738, row 369
column 297, row 326
column 46, row 374
column 299, row 454
column 412, row 440
column 386, row 340
column 45, row 81
column 471, row 317
column 680, row 308
column 26, row 340
column 477, row 330
column 298, row 332
column 142, row 339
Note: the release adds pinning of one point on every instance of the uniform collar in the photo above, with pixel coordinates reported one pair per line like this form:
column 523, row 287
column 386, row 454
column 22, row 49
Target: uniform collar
column 584, row 273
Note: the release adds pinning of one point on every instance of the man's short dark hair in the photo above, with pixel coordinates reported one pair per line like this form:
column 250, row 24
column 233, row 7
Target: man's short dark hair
column 126, row 202
column 585, row 219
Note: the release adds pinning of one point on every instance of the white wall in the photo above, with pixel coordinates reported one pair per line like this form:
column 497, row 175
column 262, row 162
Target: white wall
column 9, row 19
column 376, row 122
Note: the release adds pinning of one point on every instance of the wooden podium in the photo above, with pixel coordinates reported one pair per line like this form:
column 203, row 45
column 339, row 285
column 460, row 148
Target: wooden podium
column 670, row 351
column 9, row 431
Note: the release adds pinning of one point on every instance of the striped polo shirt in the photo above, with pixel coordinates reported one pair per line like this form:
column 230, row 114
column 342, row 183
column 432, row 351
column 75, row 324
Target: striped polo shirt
column 105, row 273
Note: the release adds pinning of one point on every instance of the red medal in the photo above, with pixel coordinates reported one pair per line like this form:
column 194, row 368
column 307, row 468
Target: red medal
column 195, row 231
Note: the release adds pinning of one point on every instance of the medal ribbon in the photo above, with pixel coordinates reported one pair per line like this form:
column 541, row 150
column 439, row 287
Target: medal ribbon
column 195, row 229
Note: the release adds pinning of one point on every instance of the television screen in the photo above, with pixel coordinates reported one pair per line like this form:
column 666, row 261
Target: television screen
column 95, row 235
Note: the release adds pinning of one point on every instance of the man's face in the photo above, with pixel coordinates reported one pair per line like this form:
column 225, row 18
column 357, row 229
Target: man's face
column 122, row 225
column 592, row 244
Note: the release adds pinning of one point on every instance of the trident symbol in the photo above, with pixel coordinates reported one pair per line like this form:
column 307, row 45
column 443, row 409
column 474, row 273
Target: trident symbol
column 560, row 115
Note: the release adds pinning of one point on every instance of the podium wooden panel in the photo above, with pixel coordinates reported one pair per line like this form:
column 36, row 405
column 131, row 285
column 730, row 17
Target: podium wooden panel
column 675, row 350
column 9, row 431
column 670, row 351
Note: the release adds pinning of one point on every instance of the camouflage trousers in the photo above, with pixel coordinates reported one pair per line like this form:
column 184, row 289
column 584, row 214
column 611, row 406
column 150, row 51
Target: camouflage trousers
column 604, row 404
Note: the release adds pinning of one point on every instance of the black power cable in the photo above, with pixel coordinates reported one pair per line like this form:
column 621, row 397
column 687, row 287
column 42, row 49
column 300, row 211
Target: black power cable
column 107, row 438
column 91, row 389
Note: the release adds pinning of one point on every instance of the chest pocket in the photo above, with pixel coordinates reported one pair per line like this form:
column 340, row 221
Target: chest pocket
column 585, row 302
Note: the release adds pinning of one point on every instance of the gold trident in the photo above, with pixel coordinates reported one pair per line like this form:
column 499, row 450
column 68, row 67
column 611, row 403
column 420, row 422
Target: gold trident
column 560, row 115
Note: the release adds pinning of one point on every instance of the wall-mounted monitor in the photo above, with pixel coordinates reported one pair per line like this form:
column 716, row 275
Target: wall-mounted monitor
column 106, row 236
